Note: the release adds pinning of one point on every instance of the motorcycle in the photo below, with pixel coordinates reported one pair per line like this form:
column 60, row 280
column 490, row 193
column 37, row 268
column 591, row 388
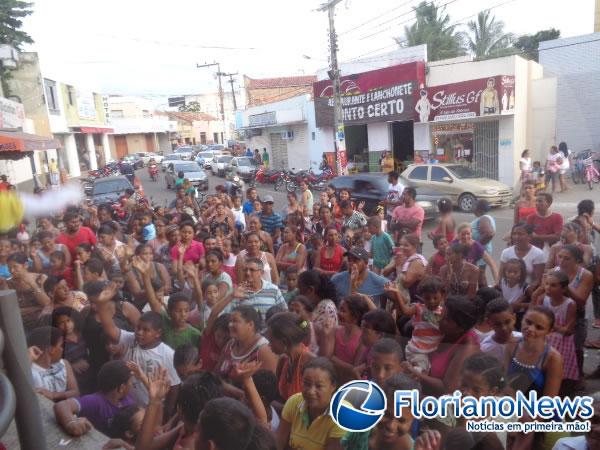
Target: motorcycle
column 262, row 176
column 315, row 182
column 153, row 172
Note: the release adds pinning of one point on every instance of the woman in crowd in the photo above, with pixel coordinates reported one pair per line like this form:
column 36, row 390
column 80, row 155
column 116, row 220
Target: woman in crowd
column 29, row 288
column 460, row 276
column 41, row 257
column 253, row 250
column 476, row 249
column 161, row 280
column 525, row 206
column 246, row 343
column 571, row 235
column 330, row 258
column 524, row 250
column 266, row 241
column 292, row 205
column 291, row 253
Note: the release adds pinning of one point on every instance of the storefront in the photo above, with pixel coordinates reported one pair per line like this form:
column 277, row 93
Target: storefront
column 464, row 121
column 378, row 108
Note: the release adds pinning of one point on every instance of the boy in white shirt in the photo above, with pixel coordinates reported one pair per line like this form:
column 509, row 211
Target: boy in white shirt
column 144, row 347
column 501, row 318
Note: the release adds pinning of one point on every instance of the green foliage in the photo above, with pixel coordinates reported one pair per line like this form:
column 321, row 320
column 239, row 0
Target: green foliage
column 486, row 37
column 528, row 44
column 11, row 14
column 191, row 107
column 433, row 28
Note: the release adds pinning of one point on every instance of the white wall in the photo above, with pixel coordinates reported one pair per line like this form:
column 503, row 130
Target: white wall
column 440, row 74
column 298, row 148
column 16, row 171
column 378, row 135
column 542, row 129
column 422, row 138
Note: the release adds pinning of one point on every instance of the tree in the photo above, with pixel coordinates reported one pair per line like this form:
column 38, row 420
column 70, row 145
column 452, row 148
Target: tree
column 191, row 107
column 11, row 13
column 433, row 28
column 529, row 44
column 486, row 37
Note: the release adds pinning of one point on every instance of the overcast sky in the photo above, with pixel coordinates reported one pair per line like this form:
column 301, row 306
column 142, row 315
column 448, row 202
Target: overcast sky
column 151, row 47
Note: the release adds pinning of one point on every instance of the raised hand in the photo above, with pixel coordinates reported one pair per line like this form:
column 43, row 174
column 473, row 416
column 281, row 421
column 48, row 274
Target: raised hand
column 240, row 292
column 429, row 440
column 108, row 293
column 137, row 372
column 158, row 384
column 245, row 370
column 34, row 353
column 142, row 266
column 190, row 270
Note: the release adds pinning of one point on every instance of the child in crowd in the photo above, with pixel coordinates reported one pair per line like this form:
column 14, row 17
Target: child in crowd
column 287, row 332
column 377, row 324
column 76, row 416
column 438, row 259
column 53, row 376
column 501, row 318
column 186, row 360
column 513, row 287
column 381, row 245
column 538, row 176
column 144, row 347
column 302, row 306
column 484, row 295
column 59, row 268
column 562, row 338
column 426, row 316
column 291, row 281
column 348, row 346
column 67, row 320
column 148, row 228
column 386, row 361
column 229, row 259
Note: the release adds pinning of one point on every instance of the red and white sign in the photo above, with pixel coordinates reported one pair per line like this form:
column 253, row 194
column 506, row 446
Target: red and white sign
column 466, row 100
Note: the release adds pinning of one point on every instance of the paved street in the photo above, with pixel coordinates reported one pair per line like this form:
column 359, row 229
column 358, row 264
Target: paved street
column 564, row 204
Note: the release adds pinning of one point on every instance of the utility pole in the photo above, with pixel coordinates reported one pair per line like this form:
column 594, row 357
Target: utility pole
column 339, row 137
column 231, row 81
column 219, row 75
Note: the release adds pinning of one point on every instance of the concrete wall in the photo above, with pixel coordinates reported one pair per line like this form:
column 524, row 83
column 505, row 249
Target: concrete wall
column 27, row 83
column 378, row 136
column 132, row 107
column 16, row 171
column 576, row 64
column 542, row 130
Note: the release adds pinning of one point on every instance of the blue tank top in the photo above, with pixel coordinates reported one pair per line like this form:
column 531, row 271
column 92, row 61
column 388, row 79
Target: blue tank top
column 528, row 377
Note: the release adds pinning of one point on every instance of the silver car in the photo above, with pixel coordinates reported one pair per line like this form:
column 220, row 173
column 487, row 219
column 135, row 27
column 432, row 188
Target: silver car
column 220, row 165
column 190, row 170
column 168, row 159
column 244, row 167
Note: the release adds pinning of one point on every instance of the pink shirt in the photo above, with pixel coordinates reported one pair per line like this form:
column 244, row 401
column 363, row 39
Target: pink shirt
column 414, row 212
column 193, row 253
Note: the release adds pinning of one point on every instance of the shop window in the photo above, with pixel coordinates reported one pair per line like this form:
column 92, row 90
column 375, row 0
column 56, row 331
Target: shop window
column 51, row 96
column 419, row 173
column 438, row 174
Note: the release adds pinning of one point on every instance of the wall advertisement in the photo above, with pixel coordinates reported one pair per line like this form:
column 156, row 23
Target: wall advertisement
column 466, row 100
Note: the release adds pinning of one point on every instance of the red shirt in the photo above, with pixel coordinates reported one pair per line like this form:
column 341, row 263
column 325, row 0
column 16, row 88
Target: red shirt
column 67, row 275
column 413, row 212
column 193, row 253
column 551, row 224
column 209, row 352
column 83, row 236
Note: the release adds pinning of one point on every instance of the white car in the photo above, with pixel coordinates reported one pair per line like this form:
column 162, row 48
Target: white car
column 168, row 159
column 186, row 151
column 220, row 165
column 148, row 156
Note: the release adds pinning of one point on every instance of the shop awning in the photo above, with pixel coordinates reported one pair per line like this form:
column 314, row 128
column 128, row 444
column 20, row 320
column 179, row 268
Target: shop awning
column 19, row 142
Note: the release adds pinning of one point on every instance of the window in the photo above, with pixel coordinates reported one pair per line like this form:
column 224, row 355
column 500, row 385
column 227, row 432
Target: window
column 203, row 138
column 51, row 96
column 438, row 174
column 419, row 173
column 116, row 113
column 146, row 114
column 366, row 187
column 313, row 135
column 216, row 138
column 111, row 186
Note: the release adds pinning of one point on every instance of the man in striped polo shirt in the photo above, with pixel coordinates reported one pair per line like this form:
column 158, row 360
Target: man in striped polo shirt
column 260, row 294
column 271, row 221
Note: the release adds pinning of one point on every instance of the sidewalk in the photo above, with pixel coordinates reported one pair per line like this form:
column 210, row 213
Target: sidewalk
column 576, row 192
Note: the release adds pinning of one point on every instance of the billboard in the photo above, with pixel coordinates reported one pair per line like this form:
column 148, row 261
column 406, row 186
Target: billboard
column 466, row 100
column 376, row 96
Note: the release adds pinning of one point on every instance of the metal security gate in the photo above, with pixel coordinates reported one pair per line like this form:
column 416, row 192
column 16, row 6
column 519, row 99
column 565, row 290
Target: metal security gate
column 485, row 149
column 279, row 155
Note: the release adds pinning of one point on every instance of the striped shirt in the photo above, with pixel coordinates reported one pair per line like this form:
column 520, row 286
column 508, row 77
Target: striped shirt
column 270, row 223
column 269, row 295
column 426, row 334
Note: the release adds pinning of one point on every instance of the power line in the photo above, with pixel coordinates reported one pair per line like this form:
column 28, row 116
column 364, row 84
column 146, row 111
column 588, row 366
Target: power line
column 349, row 30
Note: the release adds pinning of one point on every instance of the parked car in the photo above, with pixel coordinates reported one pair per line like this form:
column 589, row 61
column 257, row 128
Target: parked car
column 134, row 160
column 372, row 188
column 217, row 147
column 168, row 159
column 205, row 158
column 200, row 147
column 150, row 155
column 220, row 165
column 109, row 189
column 243, row 167
column 190, row 170
column 187, row 152
column 460, row 183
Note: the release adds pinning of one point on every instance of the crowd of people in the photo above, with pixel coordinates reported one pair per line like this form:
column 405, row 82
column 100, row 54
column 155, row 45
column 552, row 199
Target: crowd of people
column 229, row 325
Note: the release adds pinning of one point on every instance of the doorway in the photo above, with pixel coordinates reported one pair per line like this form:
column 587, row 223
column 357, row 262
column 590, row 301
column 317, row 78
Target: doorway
column 403, row 141
column 357, row 147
